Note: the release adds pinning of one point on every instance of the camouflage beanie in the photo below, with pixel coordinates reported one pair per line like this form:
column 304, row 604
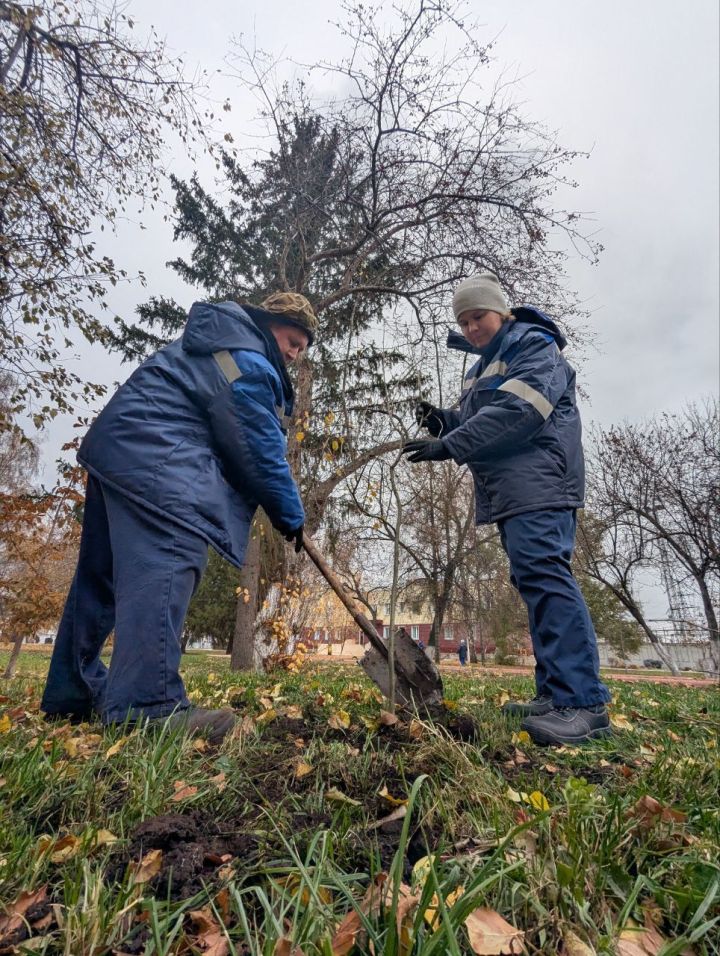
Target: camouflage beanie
column 293, row 309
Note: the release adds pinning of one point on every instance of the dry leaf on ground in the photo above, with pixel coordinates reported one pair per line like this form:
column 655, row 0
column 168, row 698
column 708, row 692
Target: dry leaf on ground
column 649, row 811
column 182, row 791
column 286, row 947
column 389, row 798
column 387, row 719
column 574, row 946
column 340, row 720
column 30, row 908
column 491, row 935
column 344, row 937
column 302, row 769
column 339, row 797
column 397, row 814
column 207, row 935
column 148, row 867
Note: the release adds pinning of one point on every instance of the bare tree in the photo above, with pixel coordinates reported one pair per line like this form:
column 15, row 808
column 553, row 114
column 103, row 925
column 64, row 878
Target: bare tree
column 655, row 491
column 85, row 113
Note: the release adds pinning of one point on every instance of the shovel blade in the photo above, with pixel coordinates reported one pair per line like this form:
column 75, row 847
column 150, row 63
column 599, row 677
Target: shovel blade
column 417, row 680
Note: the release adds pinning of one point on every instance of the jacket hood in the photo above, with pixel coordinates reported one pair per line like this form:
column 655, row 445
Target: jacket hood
column 524, row 313
column 225, row 325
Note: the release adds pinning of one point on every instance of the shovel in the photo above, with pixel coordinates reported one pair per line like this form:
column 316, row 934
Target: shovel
column 418, row 684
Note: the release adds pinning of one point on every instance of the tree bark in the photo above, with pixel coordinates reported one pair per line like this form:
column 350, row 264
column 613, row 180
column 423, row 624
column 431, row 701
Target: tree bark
column 14, row 655
column 242, row 657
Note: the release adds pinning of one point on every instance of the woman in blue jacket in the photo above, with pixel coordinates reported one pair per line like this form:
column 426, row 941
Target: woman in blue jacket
column 517, row 427
column 179, row 459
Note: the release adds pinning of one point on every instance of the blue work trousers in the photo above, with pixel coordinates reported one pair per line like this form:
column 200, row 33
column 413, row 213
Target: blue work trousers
column 539, row 545
column 136, row 573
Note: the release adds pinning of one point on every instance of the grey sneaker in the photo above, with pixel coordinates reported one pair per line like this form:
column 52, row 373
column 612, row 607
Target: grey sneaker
column 540, row 704
column 214, row 725
column 569, row 725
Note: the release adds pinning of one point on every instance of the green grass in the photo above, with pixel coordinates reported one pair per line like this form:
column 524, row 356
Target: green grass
column 553, row 840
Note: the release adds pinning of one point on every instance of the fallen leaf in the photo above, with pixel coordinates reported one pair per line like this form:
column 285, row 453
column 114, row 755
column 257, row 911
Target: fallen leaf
column 621, row 722
column 59, row 849
column 302, row 769
column 514, row 795
column 344, row 937
column 266, row 716
column 286, row 947
column 521, row 737
column 372, row 723
column 182, row 791
column 416, row 729
column 431, row 914
column 104, row 838
column 148, row 867
column 207, row 934
column 639, row 940
column 339, row 797
column 491, row 935
column 397, row 814
column 389, row 798
column 116, row 747
column 5, row 724
column 551, row 768
column 293, row 712
column 574, row 946
column 649, row 811
column 340, row 720
column 538, row 800
column 13, row 923
column 200, row 744
column 218, row 781
column 387, row 719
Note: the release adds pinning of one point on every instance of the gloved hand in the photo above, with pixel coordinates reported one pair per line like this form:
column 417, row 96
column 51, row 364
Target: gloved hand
column 426, row 451
column 426, row 415
column 296, row 536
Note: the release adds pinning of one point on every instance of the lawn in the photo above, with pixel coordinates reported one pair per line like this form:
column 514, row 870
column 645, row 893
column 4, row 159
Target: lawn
column 324, row 828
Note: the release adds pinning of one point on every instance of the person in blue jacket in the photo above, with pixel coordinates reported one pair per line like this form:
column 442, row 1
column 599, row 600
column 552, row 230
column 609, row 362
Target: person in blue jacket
column 179, row 459
column 517, row 428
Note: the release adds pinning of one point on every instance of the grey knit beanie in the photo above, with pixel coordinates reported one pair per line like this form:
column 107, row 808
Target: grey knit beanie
column 479, row 292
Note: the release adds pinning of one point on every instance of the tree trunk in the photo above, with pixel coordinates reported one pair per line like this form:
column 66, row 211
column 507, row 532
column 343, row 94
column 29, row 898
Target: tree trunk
column 14, row 655
column 242, row 657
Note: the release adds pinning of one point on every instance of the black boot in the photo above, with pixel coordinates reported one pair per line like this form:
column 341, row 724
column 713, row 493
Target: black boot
column 540, row 704
column 569, row 725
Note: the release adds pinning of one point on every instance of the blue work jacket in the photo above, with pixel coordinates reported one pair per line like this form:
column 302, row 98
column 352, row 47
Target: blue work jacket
column 517, row 424
column 197, row 433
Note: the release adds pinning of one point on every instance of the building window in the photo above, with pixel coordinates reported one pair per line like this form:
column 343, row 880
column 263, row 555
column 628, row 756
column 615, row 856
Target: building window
column 415, row 632
column 448, row 632
column 386, row 631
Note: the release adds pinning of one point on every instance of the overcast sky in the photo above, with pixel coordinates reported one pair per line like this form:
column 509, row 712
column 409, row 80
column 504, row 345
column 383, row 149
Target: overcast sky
column 633, row 81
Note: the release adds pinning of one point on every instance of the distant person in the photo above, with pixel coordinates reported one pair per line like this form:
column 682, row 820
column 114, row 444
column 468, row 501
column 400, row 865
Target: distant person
column 179, row 459
column 518, row 429
column 421, row 644
column 462, row 652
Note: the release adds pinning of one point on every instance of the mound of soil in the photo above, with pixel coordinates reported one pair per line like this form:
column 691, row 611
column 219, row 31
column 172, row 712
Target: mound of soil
column 193, row 848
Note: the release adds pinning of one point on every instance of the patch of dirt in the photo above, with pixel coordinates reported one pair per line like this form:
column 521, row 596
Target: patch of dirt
column 193, row 848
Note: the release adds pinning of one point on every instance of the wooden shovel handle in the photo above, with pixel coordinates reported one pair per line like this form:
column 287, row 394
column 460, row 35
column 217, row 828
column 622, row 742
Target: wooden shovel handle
column 338, row 587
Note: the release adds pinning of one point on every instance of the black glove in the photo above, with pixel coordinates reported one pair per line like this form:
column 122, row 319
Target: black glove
column 426, row 415
column 296, row 536
column 426, row 451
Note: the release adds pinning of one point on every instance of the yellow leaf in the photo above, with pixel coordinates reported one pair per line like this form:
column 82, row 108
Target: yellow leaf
column 431, row 913
column 522, row 737
column 491, row 935
column 537, row 800
column 515, row 796
column 621, row 722
column 5, row 724
column 334, row 444
column 329, row 418
column 104, row 838
column 340, row 720
column 337, row 796
column 294, row 712
column 266, row 716
column 416, row 729
column 148, row 867
column 421, row 871
column 299, row 436
column 372, row 723
column 64, row 848
column 302, row 769
column 393, row 801
column 450, row 704
column 116, row 747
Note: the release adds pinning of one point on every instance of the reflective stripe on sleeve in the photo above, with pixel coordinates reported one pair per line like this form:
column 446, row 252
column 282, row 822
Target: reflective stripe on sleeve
column 528, row 394
column 495, row 368
column 228, row 365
